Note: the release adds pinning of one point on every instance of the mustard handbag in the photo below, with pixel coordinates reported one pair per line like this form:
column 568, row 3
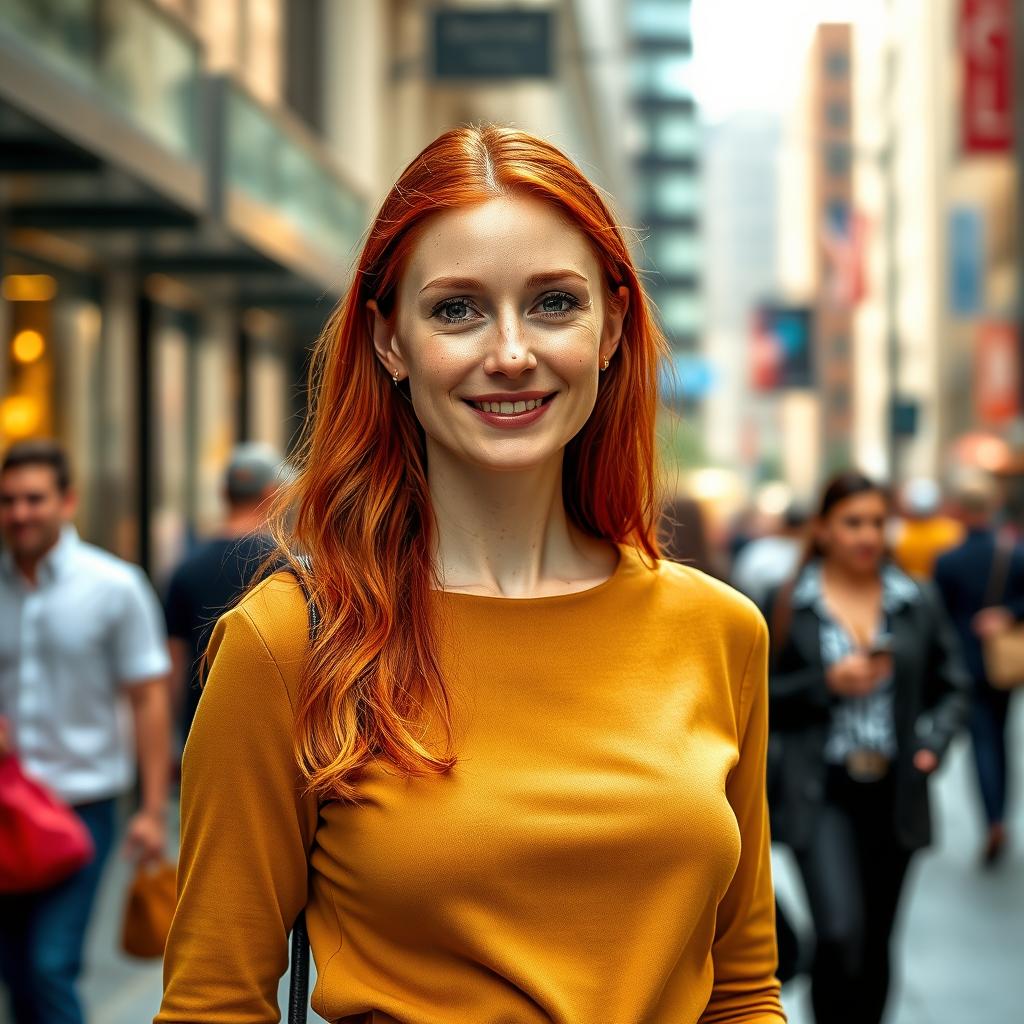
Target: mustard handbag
column 148, row 911
column 1004, row 652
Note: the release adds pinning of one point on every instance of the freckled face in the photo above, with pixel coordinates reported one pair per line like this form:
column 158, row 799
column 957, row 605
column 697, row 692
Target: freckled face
column 502, row 322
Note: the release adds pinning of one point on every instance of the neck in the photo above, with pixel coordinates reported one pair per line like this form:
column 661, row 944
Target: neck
column 507, row 533
column 241, row 521
column 28, row 564
column 841, row 575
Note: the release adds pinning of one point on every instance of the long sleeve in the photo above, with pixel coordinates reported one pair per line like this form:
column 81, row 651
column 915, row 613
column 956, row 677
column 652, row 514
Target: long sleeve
column 1015, row 584
column 948, row 684
column 746, row 990
column 246, row 831
column 797, row 688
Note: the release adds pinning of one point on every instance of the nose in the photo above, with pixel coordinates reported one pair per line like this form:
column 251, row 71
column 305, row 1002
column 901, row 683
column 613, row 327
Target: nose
column 510, row 353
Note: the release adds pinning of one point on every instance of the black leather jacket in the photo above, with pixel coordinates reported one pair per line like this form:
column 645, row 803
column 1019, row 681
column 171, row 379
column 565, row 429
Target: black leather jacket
column 930, row 705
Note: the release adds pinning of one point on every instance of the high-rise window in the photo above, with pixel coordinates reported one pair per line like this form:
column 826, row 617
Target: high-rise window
column 664, row 75
column 660, row 19
column 837, row 64
column 670, row 194
column 675, row 252
column 670, row 135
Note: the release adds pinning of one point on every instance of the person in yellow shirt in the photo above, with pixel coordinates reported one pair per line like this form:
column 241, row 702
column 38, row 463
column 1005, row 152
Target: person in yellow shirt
column 518, row 774
column 924, row 532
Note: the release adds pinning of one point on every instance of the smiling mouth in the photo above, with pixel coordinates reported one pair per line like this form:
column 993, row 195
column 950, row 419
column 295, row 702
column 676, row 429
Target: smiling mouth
column 510, row 407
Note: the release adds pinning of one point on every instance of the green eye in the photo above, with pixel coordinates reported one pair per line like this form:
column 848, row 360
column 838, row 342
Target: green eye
column 558, row 304
column 455, row 310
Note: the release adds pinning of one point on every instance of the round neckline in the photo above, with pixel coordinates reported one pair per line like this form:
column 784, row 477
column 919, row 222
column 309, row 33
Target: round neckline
column 627, row 556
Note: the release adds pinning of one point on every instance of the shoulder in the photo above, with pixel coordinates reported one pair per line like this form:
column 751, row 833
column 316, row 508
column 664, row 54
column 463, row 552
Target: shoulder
column 272, row 620
column 109, row 571
column 684, row 591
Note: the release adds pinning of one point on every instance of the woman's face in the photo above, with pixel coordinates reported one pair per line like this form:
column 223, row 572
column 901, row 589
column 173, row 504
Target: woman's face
column 501, row 325
column 853, row 532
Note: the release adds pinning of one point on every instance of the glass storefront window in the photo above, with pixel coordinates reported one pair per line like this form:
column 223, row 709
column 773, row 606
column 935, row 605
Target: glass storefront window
column 130, row 52
column 275, row 167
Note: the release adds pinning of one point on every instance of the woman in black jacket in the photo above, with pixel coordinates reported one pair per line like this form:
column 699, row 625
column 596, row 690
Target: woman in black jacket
column 867, row 690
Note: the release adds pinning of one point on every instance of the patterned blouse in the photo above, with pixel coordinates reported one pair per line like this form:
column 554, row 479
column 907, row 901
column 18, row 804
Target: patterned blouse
column 858, row 723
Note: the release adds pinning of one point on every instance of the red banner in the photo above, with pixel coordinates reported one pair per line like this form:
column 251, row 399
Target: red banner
column 996, row 374
column 986, row 36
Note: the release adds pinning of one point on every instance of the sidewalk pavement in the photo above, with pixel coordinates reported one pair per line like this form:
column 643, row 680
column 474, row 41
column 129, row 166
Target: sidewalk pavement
column 962, row 929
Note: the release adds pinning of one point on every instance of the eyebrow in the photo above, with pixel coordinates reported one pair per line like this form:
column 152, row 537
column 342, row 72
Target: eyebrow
column 471, row 284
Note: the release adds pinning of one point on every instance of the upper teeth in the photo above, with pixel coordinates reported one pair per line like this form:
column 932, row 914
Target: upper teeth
column 509, row 408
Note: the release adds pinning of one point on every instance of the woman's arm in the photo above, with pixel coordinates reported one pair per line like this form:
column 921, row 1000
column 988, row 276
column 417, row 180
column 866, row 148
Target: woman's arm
column 947, row 685
column 245, row 833
column 794, row 687
column 744, row 954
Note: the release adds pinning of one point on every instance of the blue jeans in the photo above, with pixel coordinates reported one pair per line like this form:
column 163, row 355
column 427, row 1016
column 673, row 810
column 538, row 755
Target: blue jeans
column 42, row 933
column 989, row 711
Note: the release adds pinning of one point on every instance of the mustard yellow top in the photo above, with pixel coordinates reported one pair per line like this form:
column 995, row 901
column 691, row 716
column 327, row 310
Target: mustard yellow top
column 599, row 855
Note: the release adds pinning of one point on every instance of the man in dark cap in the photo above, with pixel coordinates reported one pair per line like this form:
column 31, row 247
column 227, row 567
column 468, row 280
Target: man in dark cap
column 218, row 572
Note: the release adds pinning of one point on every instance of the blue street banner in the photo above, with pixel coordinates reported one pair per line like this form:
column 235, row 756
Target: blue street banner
column 966, row 261
column 689, row 377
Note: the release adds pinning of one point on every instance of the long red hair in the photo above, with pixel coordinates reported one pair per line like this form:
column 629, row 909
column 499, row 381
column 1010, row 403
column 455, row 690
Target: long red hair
column 360, row 506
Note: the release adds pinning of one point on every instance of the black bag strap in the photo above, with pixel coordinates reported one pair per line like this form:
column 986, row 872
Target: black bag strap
column 999, row 576
column 298, row 986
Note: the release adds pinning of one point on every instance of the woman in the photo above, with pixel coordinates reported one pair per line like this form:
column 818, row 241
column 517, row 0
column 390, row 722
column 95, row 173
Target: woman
column 867, row 691
column 519, row 774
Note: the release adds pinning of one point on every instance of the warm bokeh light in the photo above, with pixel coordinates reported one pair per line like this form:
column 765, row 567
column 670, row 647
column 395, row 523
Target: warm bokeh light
column 773, row 498
column 19, row 416
column 28, row 346
column 29, row 287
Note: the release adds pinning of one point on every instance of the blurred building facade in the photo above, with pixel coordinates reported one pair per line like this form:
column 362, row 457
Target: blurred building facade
column 667, row 182
column 183, row 187
column 741, row 232
column 899, row 232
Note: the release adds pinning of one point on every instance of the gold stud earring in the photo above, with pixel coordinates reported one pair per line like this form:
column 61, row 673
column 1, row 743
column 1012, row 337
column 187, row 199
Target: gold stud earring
column 396, row 375
column 605, row 364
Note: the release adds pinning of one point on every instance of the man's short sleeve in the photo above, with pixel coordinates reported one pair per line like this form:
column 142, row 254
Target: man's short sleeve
column 177, row 609
column 139, row 641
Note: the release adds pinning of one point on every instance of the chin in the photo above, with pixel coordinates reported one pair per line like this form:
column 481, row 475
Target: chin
column 519, row 462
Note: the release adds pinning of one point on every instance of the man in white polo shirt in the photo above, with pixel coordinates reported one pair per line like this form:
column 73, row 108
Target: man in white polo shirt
column 83, row 666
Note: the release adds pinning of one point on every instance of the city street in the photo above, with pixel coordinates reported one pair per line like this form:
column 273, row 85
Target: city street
column 963, row 929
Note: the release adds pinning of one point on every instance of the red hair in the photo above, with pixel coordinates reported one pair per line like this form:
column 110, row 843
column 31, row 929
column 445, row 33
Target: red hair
column 361, row 506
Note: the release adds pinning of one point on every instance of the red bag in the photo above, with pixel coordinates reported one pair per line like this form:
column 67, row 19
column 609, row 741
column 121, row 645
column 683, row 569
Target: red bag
column 42, row 841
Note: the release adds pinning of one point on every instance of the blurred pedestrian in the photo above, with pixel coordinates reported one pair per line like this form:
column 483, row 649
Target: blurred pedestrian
column 867, row 690
column 83, row 659
column 765, row 563
column 212, row 578
column 982, row 584
column 684, row 535
column 507, row 780
column 924, row 532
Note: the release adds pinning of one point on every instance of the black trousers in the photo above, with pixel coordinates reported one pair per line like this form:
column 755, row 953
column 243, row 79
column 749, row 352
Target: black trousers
column 853, row 871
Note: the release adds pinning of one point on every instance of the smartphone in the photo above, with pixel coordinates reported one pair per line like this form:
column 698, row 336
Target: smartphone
column 881, row 645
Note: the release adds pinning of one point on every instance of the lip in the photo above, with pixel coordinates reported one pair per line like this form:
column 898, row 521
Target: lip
column 512, row 421
column 509, row 396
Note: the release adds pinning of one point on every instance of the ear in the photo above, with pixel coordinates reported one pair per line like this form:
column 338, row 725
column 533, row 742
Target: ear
column 385, row 342
column 614, row 317
column 69, row 504
column 820, row 533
